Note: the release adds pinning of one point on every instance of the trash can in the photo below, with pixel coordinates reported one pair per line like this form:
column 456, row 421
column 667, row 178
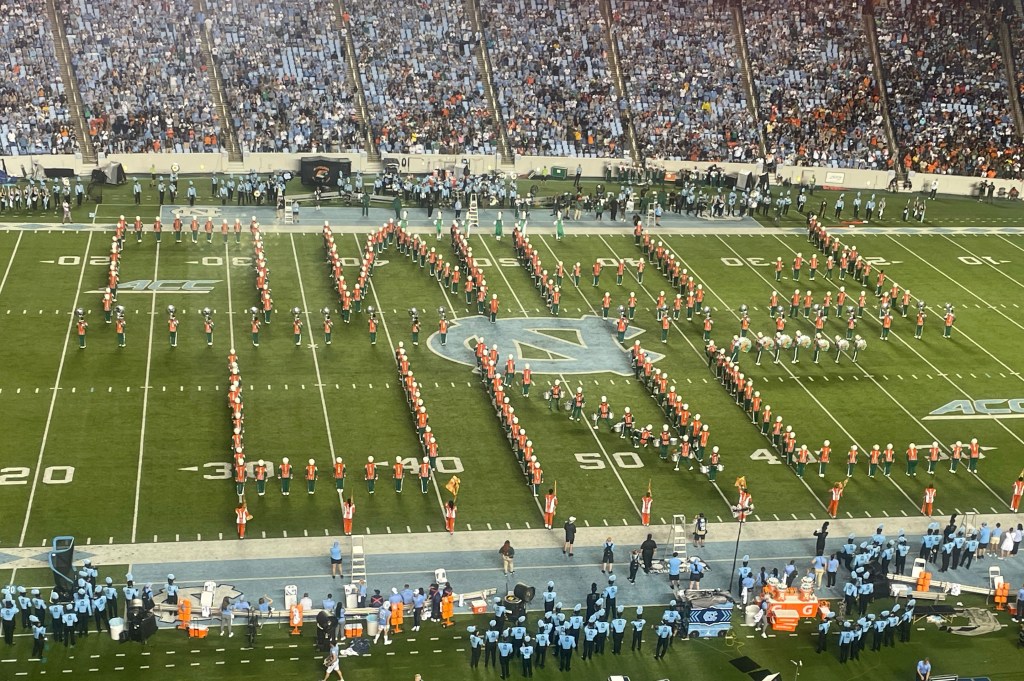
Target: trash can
column 116, row 628
column 749, row 614
column 371, row 625
column 351, row 596
column 558, row 173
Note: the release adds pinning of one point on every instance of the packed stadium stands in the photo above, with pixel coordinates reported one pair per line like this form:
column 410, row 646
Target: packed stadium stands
column 33, row 107
column 283, row 65
column 552, row 78
column 144, row 72
column 947, row 86
column 422, row 86
column 818, row 97
column 141, row 75
column 686, row 92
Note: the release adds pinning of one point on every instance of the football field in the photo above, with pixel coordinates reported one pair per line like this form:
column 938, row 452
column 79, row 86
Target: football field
column 130, row 444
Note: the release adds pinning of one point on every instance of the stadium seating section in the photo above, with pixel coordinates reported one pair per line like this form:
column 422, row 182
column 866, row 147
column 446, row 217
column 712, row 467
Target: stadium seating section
column 146, row 71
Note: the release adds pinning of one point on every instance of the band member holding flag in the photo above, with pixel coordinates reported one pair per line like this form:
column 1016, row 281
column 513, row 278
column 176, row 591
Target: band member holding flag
column 550, row 506
column 348, row 511
column 835, row 494
column 646, row 501
column 449, row 516
column 1018, row 492
column 450, row 509
column 929, row 500
column 242, row 516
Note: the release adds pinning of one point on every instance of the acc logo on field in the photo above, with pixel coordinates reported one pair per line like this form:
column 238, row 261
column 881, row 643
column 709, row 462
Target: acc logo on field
column 550, row 346
column 979, row 409
column 168, row 286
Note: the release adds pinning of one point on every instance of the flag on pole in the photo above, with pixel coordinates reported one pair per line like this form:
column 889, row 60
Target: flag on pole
column 741, row 482
column 453, row 485
column 648, row 486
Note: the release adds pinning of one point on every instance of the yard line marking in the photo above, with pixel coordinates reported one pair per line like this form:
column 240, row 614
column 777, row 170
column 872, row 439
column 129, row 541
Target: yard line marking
column 231, row 311
column 145, row 399
column 10, row 262
column 973, row 294
column 956, row 386
column 813, row 397
column 312, row 348
column 699, row 353
column 986, row 263
column 53, row 398
column 387, row 334
column 600, row 444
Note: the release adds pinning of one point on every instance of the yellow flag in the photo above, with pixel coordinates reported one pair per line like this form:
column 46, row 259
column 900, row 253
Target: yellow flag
column 453, row 485
column 741, row 482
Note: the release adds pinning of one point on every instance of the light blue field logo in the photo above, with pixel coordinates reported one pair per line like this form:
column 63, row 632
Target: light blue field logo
column 979, row 409
column 550, row 346
column 167, row 286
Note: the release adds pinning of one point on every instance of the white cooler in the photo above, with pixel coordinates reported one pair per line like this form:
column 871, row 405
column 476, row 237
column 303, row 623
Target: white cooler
column 116, row 628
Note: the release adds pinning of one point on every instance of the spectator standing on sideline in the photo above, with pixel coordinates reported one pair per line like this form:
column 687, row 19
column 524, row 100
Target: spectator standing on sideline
column 336, row 568
column 332, row 663
column 700, row 530
column 821, row 535
column 570, row 535
column 634, row 565
column 607, row 556
column 507, row 555
column 647, row 549
column 227, row 614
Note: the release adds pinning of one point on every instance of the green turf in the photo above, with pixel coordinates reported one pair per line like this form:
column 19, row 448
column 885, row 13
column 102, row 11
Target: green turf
column 436, row 653
column 97, row 412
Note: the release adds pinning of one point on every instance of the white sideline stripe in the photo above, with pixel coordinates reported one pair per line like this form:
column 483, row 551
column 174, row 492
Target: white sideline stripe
column 10, row 262
column 53, row 399
column 145, row 401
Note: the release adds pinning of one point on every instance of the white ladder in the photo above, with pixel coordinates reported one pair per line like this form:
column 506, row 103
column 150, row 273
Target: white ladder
column 357, row 566
column 677, row 537
column 473, row 214
column 288, row 212
column 649, row 220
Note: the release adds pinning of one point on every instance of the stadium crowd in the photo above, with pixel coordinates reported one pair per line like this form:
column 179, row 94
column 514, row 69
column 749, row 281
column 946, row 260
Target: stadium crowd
column 946, row 83
column 283, row 65
column 142, row 78
column 146, row 85
column 679, row 62
column 818, row 97
column 552, row 78
column 418, row 72
column 33, row 107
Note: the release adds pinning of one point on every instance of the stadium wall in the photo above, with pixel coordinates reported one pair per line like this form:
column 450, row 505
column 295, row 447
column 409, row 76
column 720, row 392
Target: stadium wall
column 198, row 164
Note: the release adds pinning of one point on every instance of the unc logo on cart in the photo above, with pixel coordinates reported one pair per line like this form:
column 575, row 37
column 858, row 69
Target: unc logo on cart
column 551, row 346
column 997, row 408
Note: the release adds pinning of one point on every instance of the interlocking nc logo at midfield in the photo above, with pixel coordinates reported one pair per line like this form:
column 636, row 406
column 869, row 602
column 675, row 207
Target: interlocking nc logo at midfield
column 550, row 346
